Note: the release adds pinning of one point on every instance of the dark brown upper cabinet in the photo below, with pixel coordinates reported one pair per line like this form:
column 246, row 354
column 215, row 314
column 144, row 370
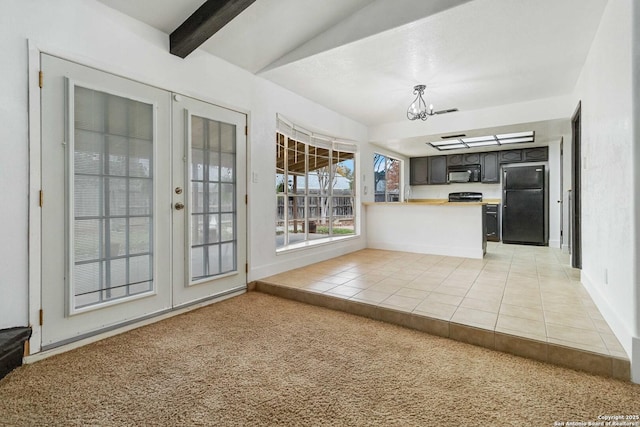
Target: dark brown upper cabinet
column 490, row 167
column 419, row 170
column 537, row 154
column 471, row 159
column 463, row 159
column 455, row 160
column 510, row 156
column 437, row 170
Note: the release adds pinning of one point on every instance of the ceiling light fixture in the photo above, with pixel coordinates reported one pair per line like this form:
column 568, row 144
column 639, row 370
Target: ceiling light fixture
column 483, row 141
column 418, row 108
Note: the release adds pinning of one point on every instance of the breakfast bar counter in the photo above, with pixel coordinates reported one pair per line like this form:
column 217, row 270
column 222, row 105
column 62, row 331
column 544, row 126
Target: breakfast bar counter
column 435, row 227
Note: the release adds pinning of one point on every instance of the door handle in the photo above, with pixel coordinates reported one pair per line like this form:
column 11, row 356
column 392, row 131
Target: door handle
column 179, row 206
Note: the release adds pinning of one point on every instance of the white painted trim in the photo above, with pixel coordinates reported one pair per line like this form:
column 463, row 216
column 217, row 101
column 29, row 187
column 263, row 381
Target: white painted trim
column 127, row 73
column 635, row 367
column 302, row 258
column 35, row 226
column 77, row 344
column 610, row 314
column 35, row 49
column 555, row 243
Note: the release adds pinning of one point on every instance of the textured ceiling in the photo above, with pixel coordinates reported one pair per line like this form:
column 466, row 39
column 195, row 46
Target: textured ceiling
column 362, row 58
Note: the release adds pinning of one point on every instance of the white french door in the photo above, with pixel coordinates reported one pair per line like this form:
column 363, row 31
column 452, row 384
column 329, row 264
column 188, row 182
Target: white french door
column 117, row 245
column 209, row 144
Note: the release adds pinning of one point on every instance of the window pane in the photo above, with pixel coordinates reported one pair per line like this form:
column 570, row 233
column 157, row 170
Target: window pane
column 227, row 167
column 140, row 152
column 87, row 154
column 319, row 171
column 393, row 180
column 212, row 260
column 117, row 237
column 227, row 227
column 118, row 155
column 117, row 191
column 227, row 138
column 113, row 143
column 227, row 256
column 87, row 241
column 87, row 195
column 139, row 235
column 280, row 221
column 386, row 178
column 379, row 177
column 140, row 196
column 213, row 160
column 342, row 219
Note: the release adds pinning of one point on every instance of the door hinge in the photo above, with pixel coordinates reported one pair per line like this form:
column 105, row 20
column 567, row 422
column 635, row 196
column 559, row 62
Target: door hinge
column 246, row 130
column 41, row 314
column 41, row 198
column 246, row 267
column 246, row 199
column 40, row 79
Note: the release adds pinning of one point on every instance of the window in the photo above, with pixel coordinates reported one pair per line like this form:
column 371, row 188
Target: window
column 315, row 187
column 112, row 222
column 213, row 204
column 386, row 176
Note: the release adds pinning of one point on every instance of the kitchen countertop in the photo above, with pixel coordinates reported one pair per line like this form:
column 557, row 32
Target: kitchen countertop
column 438, row 202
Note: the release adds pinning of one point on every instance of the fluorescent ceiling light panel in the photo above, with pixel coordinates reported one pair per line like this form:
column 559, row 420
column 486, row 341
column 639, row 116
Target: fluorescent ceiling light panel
column 479, row 139
column 515, row 135
column 451, row 146
column 514, row 140
column 447, row 142
column 482, row 143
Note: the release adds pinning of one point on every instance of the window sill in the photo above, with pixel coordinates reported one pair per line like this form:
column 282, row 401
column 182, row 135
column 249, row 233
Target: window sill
column 315, row 243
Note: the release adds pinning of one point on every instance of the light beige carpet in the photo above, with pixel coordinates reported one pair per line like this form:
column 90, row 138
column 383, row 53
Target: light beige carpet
column 261, row 360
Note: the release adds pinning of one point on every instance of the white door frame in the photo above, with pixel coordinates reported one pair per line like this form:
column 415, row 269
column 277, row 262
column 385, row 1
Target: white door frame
column 34, row 50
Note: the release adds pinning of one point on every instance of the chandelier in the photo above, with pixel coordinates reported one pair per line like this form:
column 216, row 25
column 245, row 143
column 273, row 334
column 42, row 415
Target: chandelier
column 418, row 108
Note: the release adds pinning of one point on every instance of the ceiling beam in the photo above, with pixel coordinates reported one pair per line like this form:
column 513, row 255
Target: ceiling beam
column 203, row 23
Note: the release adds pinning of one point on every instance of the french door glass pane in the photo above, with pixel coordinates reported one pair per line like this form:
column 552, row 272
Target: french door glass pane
column 213, row 198
column 113, row 197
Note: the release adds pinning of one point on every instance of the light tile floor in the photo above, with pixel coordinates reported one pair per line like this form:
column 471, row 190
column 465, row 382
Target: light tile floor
column 526, row 291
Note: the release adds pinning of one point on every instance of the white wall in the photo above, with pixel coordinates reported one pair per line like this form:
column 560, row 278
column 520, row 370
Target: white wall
column 90, row 33
column 609, row 246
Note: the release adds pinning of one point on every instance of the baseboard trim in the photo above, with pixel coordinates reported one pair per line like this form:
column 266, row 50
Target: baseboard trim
column 128, row 326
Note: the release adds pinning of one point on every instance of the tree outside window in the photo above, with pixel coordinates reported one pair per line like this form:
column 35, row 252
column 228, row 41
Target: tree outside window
column 386, row 177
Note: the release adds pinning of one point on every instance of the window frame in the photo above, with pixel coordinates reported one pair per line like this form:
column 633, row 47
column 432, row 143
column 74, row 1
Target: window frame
column 325, row 195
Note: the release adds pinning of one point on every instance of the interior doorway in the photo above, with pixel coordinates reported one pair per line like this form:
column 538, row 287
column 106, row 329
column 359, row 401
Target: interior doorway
column 576, row 166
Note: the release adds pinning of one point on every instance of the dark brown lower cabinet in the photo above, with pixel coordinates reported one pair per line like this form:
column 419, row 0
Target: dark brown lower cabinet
column 492, row 225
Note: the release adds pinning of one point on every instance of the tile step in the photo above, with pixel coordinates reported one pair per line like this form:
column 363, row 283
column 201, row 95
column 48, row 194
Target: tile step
column 573, row 358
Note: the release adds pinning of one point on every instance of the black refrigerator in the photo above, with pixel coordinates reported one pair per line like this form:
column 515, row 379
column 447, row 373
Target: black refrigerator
column 523, row 205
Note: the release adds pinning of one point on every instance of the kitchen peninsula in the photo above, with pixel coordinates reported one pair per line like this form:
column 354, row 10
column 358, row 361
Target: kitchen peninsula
column 433, row 226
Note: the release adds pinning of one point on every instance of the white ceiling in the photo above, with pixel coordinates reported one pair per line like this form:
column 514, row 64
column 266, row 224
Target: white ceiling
column 362, row 58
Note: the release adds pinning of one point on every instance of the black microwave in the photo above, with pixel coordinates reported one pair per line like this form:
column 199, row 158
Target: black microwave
column 469, row 173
